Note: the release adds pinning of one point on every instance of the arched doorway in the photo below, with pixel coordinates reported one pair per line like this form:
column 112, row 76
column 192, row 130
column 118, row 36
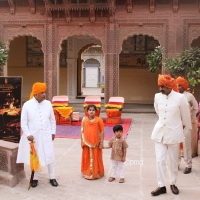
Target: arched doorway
column 26, row 59
column 73, row 53
column 136, row 83
column 91, row 73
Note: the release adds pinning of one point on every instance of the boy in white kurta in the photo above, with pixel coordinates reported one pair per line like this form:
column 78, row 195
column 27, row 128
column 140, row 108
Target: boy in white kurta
column 174, row 116
column 38, row 124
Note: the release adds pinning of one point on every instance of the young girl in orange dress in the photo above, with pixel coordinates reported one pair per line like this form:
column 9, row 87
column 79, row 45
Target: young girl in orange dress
column 92, row 130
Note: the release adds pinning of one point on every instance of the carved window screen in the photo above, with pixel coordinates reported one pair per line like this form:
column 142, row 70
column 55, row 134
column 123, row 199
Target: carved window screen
column 34, row 54
column 63, row 54
column 134, row 51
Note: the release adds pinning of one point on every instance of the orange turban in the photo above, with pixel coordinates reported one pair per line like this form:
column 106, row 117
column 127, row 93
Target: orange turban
column 175, row 87
column 183, row 82
column 37, row 88
column 165, row 80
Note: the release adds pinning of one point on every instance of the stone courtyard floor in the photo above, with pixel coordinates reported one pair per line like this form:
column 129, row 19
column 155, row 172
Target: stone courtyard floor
column 140, row 172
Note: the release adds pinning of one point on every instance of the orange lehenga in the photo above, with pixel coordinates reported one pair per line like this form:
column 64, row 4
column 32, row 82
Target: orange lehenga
column 92, row 162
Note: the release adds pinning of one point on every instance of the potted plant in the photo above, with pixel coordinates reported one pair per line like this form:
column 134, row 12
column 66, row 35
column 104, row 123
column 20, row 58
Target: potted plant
column 102, row 88
column 187, row 65
column 3, row 55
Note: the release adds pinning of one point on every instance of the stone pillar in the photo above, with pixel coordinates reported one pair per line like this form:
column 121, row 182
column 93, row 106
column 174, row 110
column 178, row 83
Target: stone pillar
column 11, row 173
column 48, row 61
column 72, row 79
column 55, row 61
column 111, row 63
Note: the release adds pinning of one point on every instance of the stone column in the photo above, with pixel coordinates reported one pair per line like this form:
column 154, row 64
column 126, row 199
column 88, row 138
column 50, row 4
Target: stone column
column 72, row 79
column 48, row 61
column 55, row 61
column 111, row 63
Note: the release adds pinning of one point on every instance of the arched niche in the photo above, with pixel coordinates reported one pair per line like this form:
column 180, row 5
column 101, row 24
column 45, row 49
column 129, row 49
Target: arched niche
column 136, row 83
column 26, row 59
column 75, row 46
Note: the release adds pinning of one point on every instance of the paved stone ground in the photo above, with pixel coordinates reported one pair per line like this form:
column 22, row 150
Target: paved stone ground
column 140, row 177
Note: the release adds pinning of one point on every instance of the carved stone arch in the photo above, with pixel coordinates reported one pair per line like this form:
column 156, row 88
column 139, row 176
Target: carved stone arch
column 79, row 66
column 194, row 33
column 93, row 59
column 98, row 32
column 155, row 32
column 12, row 32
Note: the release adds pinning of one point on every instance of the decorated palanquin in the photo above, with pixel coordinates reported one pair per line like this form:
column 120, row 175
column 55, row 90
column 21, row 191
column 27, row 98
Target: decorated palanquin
column 114, row 110
column 63, row 113
column 95, row 100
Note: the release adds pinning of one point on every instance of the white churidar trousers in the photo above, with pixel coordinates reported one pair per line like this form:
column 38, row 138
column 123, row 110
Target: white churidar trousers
column 50, row 170
column 120, row 165
column 161, row 157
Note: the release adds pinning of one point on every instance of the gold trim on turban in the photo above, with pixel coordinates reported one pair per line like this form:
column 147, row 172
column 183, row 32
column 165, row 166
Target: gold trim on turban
column 38, row 88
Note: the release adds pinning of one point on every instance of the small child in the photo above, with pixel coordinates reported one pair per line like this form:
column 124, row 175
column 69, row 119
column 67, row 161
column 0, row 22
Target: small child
column 118, row 155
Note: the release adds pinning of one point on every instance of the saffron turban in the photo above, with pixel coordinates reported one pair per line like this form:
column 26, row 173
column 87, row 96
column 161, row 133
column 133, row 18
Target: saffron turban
column 37, row 88
column 175, row 87
column 183, row 82
column 166, row 80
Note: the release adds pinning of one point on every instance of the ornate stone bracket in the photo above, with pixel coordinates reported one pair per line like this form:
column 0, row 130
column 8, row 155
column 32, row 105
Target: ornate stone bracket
column 12, row 6
column 32, row 5
column 129, row 6
column 92, row 11
column 152, row 5
column 48, row 10
column 68, row 15
column 175, row 5
column 112, row 9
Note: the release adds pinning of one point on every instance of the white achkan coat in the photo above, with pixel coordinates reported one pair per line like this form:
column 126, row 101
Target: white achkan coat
column 173, row 112
column 37, row 119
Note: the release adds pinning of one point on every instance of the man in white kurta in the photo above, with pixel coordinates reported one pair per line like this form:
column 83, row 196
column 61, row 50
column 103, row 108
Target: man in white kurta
column 173, row 112
column 193, row 106
column 38, row 125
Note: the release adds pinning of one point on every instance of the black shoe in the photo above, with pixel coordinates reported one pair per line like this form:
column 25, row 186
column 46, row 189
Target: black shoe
column 34, row 183
column 53, row 182
column 174, row 189
column 158, row 191
column 187, row 170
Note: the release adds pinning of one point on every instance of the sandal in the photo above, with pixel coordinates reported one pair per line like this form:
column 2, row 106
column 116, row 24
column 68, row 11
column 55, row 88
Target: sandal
column 111, row 179
column 121, row 180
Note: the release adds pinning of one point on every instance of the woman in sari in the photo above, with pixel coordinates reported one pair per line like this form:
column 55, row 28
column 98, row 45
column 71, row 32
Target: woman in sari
column 92, row 143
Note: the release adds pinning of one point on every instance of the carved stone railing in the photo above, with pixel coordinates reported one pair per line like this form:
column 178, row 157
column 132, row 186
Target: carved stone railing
column 11, row 173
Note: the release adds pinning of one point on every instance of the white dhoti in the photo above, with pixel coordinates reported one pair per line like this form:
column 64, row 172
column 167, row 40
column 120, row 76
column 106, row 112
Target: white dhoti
column 161, row 155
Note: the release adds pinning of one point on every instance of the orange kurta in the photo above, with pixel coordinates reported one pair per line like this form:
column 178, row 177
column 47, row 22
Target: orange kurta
column 92, row 162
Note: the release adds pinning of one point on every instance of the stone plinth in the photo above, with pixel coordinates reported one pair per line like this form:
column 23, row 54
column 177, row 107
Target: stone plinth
column 11, row 173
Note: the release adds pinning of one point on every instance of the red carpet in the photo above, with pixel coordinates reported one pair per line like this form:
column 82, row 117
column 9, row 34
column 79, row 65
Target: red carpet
column 74, row 130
